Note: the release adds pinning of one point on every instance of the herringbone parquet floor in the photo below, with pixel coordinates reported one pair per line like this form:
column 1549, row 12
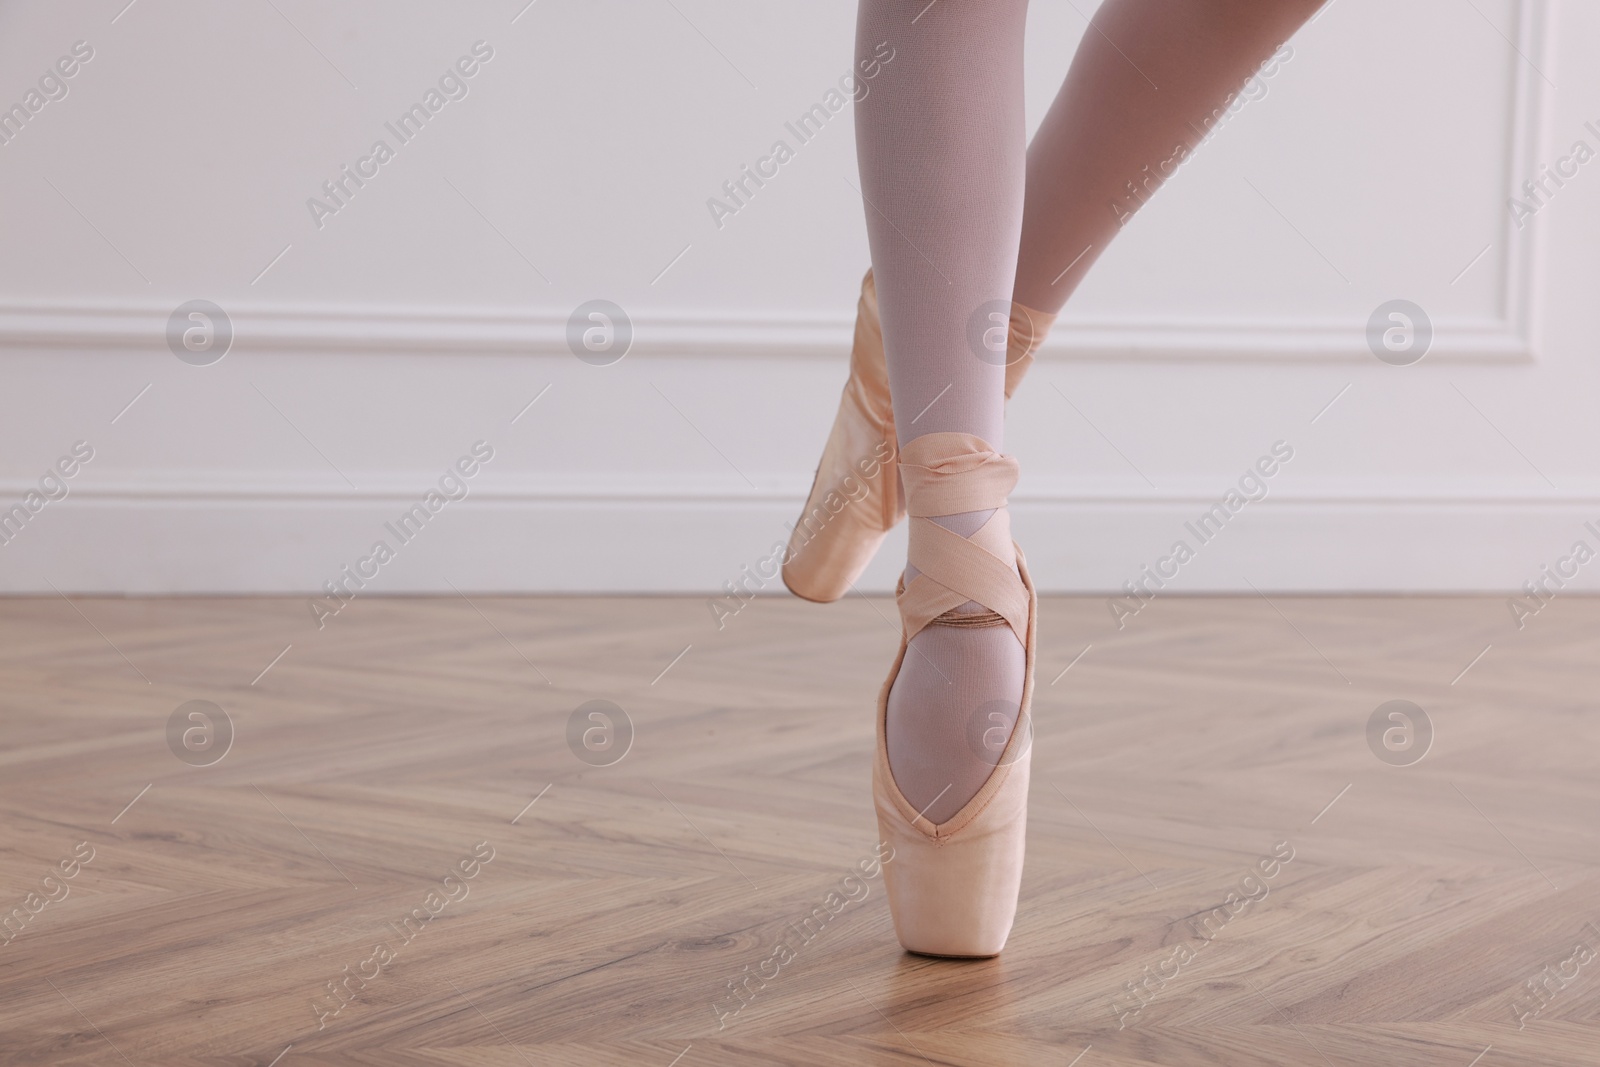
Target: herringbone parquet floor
column 401, row 860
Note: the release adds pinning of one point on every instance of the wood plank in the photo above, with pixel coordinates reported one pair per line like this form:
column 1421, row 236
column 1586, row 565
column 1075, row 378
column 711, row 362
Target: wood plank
column 621, row 900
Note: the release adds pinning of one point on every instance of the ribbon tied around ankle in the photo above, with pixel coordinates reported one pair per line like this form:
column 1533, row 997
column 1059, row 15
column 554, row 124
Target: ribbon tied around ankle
column 948, row 474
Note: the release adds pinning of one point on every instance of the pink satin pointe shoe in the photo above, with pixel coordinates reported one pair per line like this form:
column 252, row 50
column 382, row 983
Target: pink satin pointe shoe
column 953, row 886
column 856, row 499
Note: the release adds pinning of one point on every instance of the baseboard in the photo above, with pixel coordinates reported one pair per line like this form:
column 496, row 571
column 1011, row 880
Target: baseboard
column 165, row 541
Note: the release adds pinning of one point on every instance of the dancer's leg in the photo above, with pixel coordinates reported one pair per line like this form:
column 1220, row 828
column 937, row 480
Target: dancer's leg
column 939, row 144
column 941, row 141
column 1149, row 79
column 1106, row 126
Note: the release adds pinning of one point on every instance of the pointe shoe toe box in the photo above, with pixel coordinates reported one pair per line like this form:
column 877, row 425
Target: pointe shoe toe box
column 955, row 893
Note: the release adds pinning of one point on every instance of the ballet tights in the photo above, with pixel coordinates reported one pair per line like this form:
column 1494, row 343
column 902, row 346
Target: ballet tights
column 942, row 150
column 1151, row 78
column 963, row 217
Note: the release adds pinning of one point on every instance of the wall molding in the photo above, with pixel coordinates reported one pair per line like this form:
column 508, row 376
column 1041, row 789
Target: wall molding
column 789, row 492
column 1508, row 335
column 1526, row 140
column 495, row 331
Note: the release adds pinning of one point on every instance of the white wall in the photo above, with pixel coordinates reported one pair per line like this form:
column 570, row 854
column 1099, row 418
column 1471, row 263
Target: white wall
column 424, row 314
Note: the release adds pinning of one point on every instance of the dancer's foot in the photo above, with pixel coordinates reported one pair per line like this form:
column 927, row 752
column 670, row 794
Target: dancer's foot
column 955, row 701
column 856, row 499
column 950, row 783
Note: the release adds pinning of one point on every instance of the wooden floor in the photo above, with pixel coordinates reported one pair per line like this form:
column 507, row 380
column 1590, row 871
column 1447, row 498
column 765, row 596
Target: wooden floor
column 222, row 902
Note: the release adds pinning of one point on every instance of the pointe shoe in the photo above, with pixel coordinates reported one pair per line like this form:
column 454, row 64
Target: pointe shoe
column 856, row 499
column 952, row 886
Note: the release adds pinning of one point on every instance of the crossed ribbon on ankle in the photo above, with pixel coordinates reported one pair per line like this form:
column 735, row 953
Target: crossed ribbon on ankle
column 948, row 474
